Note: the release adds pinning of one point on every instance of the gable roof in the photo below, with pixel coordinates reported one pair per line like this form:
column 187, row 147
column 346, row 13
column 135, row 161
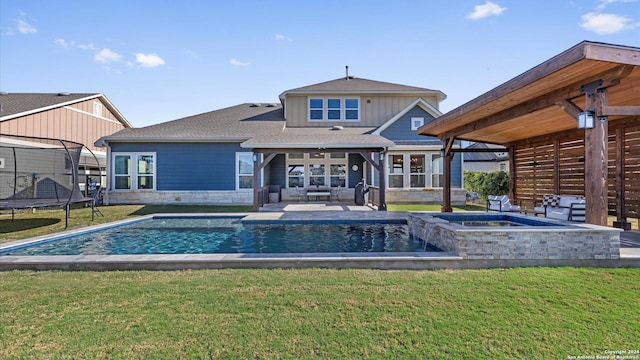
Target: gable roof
column 14, row 105
column 353, row 85
column 234, row 123
column 417, row 102
column 319, row 138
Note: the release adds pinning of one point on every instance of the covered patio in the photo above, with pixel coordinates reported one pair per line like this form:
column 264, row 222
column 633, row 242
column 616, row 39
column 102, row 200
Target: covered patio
column 369, row 148
column 571, row 125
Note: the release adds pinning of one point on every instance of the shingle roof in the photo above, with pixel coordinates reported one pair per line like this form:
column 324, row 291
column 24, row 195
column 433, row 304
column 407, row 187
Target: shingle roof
column 238, row 122
column 499, row 155
column 14, row 105
column 17, row 103
column 328, row 138
column 360, row 86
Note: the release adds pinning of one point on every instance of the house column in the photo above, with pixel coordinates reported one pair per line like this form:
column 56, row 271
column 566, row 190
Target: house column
column 596, row 158
column 381, row 180
column 446, row 168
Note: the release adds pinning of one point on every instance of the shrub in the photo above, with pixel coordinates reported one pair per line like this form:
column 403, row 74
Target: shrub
column 487, row 183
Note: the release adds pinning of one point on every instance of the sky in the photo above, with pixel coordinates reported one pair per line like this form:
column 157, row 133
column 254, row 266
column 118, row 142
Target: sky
column 163, row 60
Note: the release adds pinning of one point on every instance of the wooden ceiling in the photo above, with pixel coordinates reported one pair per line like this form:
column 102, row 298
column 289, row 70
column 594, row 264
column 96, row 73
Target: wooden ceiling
column 544, row 100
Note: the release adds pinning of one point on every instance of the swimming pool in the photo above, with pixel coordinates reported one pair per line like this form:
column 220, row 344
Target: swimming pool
column 223, row 235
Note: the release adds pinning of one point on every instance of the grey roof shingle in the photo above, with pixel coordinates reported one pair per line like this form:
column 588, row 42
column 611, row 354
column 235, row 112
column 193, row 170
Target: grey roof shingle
column 238, row 122
column 360, row 86
column 16, row 103
column 499, row 155
column 356, row 137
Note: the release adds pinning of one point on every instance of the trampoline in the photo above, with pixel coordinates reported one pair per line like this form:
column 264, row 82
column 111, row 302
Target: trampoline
column 41, row 173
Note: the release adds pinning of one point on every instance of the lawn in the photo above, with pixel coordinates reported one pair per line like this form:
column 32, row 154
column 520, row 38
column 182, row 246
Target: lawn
column 532, row 313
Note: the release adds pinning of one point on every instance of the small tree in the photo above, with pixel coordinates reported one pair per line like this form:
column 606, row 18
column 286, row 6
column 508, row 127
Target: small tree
column 487, row 183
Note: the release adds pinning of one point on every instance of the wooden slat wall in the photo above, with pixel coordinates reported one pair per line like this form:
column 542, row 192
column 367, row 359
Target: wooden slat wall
column 535, row 167
column 632, row 173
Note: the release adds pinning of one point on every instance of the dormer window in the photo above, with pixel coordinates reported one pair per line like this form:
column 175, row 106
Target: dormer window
column 334, row 109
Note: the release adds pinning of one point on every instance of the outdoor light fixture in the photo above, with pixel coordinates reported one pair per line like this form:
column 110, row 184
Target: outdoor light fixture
column 586, row 119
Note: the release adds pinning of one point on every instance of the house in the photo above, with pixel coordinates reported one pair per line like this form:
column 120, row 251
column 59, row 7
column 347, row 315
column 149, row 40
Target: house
column 486, row 161
column 81, row 118
column 331, row 134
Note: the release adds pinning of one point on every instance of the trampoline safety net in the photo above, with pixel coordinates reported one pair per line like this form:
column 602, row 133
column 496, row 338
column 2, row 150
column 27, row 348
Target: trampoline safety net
column 38, row 172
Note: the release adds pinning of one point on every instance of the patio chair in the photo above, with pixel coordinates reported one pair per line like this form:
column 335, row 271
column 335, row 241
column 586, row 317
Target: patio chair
column 502, row 203
column 301, row 193
column 336, row 192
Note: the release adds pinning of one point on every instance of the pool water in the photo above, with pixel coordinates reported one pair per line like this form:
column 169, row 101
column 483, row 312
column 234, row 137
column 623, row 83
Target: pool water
column 230, row 235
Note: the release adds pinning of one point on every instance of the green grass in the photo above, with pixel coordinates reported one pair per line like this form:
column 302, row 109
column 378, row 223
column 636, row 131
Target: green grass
column 532, row 313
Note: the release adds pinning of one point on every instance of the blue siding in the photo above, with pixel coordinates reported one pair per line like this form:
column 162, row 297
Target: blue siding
column 277, row 171
column 456, row 171
column 190, row 166
column 355, row 176
column 401, row 129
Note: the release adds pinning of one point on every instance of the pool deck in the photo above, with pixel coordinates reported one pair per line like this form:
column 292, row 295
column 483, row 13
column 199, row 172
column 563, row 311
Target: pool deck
column 629, row 256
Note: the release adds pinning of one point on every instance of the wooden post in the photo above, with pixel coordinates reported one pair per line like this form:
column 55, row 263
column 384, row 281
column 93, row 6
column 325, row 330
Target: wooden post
column 382, row 206
column 256, row 183
column 596, row 158
column 446, row 186
column 621, row 210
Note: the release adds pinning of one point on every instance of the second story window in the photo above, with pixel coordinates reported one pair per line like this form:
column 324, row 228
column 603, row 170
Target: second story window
column 334, row 109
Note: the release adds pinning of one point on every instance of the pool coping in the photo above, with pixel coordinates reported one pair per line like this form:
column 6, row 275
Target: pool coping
column 387, row 261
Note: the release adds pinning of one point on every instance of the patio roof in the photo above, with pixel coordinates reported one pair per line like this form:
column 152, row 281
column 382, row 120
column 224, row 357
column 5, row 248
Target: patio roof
column 547, row 98
column 319, row 138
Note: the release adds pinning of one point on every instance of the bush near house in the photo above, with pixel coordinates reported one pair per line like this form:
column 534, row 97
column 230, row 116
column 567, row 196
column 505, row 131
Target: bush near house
column 487, row 183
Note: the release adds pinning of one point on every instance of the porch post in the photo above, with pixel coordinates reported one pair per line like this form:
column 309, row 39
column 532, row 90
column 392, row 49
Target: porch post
column 596, row 158
column 446, row 187
column 256, row 183
column 381, row 177
column 621, row 209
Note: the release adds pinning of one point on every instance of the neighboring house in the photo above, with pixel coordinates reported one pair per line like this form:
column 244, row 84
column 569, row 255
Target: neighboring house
column 334, row 133
column 486, row 161
column 81, row 118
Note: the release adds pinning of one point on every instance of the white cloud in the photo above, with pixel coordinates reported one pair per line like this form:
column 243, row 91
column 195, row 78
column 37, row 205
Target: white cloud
column 149, row 60
column 106, row 55
column 486, row 10
column 25, row 28
column 283, row 37
column 605, row 24
column 235, row 62
column 64, row 43
column 604, row 3
column 88, row 46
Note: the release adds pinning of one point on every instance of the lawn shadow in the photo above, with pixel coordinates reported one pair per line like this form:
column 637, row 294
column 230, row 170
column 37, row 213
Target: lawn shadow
column 8, row 225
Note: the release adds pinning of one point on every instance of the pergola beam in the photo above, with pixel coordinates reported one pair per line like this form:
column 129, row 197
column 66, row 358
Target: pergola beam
column 558, row 97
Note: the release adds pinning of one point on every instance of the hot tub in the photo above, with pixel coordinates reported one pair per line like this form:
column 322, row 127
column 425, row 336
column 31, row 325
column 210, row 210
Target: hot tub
column 479, row 235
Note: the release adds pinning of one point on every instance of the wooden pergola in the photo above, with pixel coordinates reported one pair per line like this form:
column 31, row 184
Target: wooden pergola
column 535, row 115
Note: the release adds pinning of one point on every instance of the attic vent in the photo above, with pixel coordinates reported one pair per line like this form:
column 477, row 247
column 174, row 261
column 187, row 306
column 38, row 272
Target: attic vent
column 337, row 127
column 63, row 94
column 255, row 105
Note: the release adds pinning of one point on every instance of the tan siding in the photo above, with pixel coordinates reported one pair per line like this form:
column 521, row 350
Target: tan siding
column 61, row 123
column 375, row 113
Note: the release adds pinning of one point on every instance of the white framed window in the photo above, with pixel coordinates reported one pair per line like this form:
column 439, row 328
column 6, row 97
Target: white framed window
column 436, row 170
column 244, row 171
column 416, row 122
column 396, row 171
column 134, row 171
column 97, row 108
column 295, row 175
column 417, row 171
column 317, row 169
column 334, row 109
